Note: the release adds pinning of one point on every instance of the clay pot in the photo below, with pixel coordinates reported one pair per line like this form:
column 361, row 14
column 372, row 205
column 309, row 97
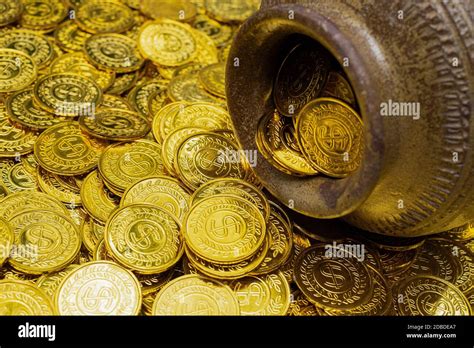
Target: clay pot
column 416, row 173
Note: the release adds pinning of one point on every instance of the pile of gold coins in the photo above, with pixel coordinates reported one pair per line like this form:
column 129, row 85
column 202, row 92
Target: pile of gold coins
column 314, row 128
column 123, row 190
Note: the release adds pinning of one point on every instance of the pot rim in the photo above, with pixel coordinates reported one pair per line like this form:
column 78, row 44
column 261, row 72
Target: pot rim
column 250, row 98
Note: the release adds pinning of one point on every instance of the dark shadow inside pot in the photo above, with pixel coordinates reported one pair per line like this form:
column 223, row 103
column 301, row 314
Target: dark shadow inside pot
column 254, row 60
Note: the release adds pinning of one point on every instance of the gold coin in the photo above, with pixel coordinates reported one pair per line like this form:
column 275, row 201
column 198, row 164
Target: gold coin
column 167, row 42
column 470, row 297
column 464, row 260
column 8, row 273
column 67, row 94
column 45, row 240
column 19, row 202
column 114, row 52
column 206, row 156
column 156, row 101
column 231, row 10
column 43, row 14
column 22, row 109
column 301, row 78
column 396, row 261
column 235, row 187
column 37, row 46
column 212, row 78
column 29, row 162
column 330, row 134
column 370, row 254
column 140, row 95
column 202, row 115
column 50, row 282
column 171, row 108
column 115, row 102
column 77, row 63
column 147, row 304
column 89, row 239
column 23, row 298
column 104, row 16
column 300, row 306
column 144, row 238
column 162, row 191
column 18, row 70
column 263, row 148
column 338, row 87
column 3, row 191
column 427, row 295
column 16, row 178
column 278, row 136
column 14, row 141
column 98, row 230
column 225, row 229
column 226, row 270
column 10, row 11
column 69, row 37
column 223, row 53
column 172, row 142
column 280, row 244
column 190, row 68
column 122, row 165
column 6, row 241
column 278, row 210
column 207, row 49
column 135, row 4
column 64, row 150
column 115, row 124
column 178, row 10
column 166, row 71
column 151, row 283
column 220, row 34
column 97, row 200
column 264, row 295
column 330, row 281
column 187, row 87
column 195, row 295
column 100, row 252
column 76, row 213
column 123, row 82
column 116, row 290
column 61, row 187
column 462, row 233
column 380, row 302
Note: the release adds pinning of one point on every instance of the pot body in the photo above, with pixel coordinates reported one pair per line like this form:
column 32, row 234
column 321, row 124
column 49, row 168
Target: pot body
column 416, row 176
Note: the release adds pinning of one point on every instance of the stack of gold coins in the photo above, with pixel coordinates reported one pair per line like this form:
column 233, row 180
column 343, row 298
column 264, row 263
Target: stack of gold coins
column 123, row 190
column 315, row 128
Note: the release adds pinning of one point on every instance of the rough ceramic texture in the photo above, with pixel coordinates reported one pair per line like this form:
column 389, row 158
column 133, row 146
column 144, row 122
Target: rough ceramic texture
column 408, row 183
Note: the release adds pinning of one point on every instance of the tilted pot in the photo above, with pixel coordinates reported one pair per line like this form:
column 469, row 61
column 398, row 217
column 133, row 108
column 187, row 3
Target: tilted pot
column 416, row 173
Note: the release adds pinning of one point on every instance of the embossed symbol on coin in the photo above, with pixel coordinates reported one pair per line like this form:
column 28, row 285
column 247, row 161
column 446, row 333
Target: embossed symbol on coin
column 227, row 228
column 136, row 164
column 255, row 293
column 8, row 69
column 67, row 92
column 73, row 146
column 333, row 137
column 98, row 299
column 332, row 272
column 42, row 237
column 206, row 159
column 146, row 236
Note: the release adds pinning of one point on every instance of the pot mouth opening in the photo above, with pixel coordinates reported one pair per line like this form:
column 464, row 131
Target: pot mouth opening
column 273, row 42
